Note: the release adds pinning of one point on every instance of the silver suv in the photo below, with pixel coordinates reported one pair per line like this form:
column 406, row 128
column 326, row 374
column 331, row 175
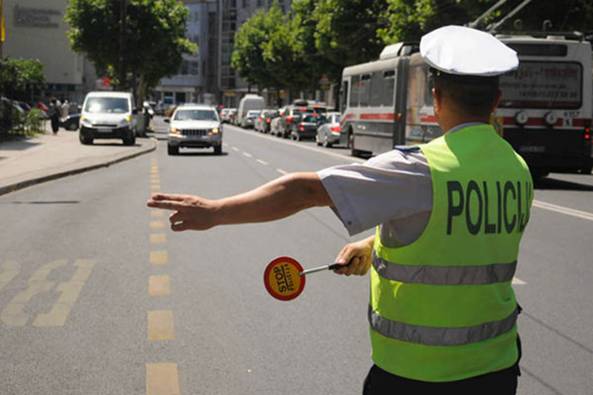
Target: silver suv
column 194, row 126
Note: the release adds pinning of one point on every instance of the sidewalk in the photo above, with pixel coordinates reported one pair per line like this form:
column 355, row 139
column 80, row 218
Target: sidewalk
column 29, row 161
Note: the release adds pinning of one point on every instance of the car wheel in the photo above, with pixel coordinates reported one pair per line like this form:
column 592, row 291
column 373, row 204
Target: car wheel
column 172, row 150
column 295, row 137
column 218, row 149
column 130, row 140
column 317, row 140
column 71, row 126
column 326, row 142
column 85, row 139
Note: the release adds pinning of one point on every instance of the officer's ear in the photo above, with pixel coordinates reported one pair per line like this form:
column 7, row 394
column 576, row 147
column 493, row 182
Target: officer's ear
column 436, row 100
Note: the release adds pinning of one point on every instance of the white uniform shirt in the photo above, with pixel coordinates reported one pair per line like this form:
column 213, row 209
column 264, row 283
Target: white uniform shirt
column 393, row 189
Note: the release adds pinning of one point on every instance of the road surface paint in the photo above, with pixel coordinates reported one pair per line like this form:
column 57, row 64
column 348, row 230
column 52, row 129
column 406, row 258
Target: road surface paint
column 281, row 171
column 282, row 278
column 518, row 281
column 159, row 285
column 16, row 312
column 159, row 257
column 158, row 238
column 247, row 154
column 563, row 210
column 262, row 162
column 157, row 225
column 156, row 213
column 10, row 270
column 160, row 325
column 69, row 293
column 162, row 379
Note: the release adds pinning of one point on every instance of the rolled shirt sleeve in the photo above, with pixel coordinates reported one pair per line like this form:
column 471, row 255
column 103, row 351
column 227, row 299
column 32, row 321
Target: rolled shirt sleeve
column 392, row 187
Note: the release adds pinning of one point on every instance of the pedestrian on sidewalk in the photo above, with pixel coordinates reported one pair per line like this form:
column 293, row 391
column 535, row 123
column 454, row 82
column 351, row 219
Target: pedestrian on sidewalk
column 449, row 218
column 54, row 115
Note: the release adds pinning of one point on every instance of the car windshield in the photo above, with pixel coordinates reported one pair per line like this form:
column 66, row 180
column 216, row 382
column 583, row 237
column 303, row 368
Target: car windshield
column 253, row 114
column 117, row 105
column 195, row 115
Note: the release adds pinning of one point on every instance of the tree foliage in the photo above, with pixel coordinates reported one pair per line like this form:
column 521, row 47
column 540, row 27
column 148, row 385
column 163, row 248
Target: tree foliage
column 19, row 75
column 153, row 41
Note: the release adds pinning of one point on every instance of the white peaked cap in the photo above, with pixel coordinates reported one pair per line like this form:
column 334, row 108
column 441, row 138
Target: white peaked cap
column 464, row 51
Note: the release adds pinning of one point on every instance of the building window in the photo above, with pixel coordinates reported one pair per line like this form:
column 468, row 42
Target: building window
column 245, row 3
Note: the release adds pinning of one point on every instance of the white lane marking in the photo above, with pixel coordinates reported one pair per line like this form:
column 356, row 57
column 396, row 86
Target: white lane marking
column 225, row 145
column 247, row 154
column 263, row 162
column 281, row 171
column 563, row 210
column 235, row 149
column 306, row 147
column 518, row 281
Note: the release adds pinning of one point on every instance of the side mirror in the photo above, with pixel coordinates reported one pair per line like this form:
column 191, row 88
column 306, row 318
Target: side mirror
column 135, row 111
column 167, row 120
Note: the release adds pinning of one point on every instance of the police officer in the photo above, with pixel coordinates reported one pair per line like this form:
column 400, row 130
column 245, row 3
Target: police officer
column 449, row 214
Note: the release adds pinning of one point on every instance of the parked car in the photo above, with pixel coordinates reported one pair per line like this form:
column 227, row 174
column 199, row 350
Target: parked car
column 328, row 133
column 108, row 115
column 71, row 122
column 263, row 123
column 225, row 114
column 248, row 103
column 248, row 121
column 194, row 126
column 274, row 124
column 290, row 116
column 306, row 127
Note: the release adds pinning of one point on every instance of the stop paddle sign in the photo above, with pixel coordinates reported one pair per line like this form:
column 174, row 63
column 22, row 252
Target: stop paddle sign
column 284, row 277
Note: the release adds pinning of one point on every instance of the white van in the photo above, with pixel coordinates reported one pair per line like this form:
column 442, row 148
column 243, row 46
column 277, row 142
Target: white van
column 108, row 115
column 249, row 102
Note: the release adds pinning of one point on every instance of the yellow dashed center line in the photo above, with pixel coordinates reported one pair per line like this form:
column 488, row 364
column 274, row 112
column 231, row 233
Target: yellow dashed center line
column 156, row 213
column 160, row 325
column 158, row 238
column 159, row 257
column 157, row 225
column 162, row 379
column 159, row 285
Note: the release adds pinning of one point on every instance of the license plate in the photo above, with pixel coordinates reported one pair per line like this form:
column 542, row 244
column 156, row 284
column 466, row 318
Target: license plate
column 533, row 149
column 104, row 130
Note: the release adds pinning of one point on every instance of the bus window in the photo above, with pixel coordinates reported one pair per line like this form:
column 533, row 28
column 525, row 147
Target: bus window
column 545, row 84
column 354, row 88
column 344, row 96
column 388, row 87
column 376, row 89
column 365, row 90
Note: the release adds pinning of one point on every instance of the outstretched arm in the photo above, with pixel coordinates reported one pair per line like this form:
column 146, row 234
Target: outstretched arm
column 277, row 199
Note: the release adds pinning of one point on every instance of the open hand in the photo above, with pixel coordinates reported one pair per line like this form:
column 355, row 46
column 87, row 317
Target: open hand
column 189, row 212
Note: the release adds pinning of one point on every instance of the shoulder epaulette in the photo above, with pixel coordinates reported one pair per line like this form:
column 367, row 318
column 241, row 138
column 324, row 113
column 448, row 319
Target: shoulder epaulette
column 407, row 148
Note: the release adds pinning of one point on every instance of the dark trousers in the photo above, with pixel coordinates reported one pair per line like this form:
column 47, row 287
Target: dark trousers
column 503, row 382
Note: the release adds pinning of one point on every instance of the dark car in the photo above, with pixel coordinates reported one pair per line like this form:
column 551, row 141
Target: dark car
column 306, row 127
column 71, row 122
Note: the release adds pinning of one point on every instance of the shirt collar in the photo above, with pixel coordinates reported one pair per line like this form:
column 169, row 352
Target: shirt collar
column 464, row 125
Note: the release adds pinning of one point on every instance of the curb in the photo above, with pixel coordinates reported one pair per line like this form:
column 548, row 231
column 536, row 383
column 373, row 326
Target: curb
column 61, row 174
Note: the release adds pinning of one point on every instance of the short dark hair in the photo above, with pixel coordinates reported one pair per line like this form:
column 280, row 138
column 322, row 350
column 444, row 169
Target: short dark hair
column 473, row 95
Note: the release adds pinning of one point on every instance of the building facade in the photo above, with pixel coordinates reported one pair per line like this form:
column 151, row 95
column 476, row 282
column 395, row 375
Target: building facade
column 233, row 13
column 189, row 85
column 35, row 29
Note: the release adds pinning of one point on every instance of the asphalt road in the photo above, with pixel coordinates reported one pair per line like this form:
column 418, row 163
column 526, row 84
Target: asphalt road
column 97, row 298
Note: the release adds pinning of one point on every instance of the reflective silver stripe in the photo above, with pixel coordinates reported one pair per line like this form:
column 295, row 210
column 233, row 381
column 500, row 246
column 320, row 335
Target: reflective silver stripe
column 433, row 336
column 445, row 275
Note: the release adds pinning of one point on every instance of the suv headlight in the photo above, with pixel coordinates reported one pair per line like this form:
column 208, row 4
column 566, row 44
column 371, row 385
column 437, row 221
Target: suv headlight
column 175, row 131
column 214, row 131
column 126, row 121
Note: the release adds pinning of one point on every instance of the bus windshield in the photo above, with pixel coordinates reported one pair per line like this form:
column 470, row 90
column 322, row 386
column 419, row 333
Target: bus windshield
column 545, row 85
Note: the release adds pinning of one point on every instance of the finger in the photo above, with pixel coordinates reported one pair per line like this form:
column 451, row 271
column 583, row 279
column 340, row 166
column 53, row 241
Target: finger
column 348, row 269
column 180, row 226
column 168, row 196
column 176, row 217
column 166, row 205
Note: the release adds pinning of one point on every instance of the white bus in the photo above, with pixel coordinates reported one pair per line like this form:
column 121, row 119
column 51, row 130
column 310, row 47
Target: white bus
column 545, row 112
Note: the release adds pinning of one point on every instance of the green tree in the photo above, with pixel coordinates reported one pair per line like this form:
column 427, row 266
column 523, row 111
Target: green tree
column 137, row 50
column 248, row 51
column 346, row 32
column 19, row 76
